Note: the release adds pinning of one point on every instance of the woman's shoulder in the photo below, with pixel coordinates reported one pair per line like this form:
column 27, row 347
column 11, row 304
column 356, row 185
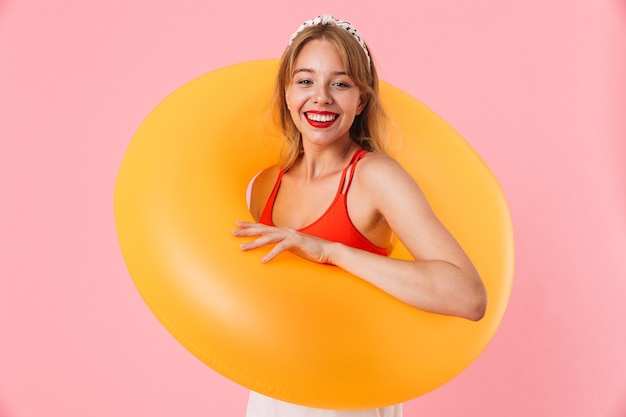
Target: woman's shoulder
column 261, row 188
column 378, row 166
column 269, row 174
column 378, row 159
column 385, row 177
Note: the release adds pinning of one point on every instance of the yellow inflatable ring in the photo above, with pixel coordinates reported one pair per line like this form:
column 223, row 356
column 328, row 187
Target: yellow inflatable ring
column 293, row 330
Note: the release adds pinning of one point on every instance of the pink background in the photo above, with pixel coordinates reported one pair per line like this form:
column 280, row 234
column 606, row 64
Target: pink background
column 537, row 87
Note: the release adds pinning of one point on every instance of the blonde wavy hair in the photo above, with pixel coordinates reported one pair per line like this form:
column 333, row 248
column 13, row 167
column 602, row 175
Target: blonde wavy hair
column 369, row 129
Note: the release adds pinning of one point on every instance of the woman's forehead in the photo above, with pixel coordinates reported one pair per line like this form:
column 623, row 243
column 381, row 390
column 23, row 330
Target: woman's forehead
column 319, row 54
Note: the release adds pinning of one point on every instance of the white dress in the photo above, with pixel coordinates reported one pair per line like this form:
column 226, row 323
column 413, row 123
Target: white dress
column 261, row 406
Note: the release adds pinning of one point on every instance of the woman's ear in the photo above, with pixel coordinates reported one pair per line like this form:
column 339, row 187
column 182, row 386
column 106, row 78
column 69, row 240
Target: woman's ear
column 363, row 99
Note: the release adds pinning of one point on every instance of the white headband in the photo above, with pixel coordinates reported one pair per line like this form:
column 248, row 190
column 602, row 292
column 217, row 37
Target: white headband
column 328, row 19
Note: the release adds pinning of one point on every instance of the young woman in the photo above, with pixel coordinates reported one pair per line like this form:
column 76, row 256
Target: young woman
column 337, row 198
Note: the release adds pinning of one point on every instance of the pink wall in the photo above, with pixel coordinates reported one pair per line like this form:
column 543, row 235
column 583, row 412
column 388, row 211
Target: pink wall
column 537, row 87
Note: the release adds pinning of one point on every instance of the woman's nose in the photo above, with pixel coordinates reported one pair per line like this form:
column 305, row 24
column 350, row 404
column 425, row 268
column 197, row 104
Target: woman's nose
column 322, row 95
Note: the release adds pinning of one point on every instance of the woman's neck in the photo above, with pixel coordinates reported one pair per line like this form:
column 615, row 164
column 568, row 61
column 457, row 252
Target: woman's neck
column 316, row 162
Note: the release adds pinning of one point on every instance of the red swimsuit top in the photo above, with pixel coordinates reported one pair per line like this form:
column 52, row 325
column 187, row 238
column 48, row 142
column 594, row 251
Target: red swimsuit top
column 335, row 224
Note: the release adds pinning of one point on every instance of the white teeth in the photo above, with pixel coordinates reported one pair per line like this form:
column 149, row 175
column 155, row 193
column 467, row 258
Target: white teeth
column 321, row 117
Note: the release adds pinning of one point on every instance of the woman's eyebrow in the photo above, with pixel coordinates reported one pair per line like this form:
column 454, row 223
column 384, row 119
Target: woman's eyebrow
column 297, row 70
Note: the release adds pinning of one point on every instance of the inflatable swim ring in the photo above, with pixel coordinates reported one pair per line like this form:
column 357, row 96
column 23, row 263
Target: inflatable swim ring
column 293, row 330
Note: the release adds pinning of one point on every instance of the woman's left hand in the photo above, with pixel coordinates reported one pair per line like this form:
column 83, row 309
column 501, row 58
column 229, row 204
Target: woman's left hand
column 308, row 247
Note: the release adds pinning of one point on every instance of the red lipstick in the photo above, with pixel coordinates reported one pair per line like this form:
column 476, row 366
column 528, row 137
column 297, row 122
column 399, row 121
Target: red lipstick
column 321, row 119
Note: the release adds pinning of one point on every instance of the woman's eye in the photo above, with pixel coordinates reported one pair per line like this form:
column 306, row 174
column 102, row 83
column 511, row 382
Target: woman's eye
column 341, row 84
column 304, row 82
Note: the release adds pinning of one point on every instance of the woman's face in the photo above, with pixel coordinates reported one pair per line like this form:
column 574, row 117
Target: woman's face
column 322, row 99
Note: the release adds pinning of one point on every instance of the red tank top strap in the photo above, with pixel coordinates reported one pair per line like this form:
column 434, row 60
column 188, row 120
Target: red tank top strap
column 351, row 166
column 279, row 179
column 266, row 215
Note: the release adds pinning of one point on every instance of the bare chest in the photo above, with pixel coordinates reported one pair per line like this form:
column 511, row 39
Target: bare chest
column 298, row 204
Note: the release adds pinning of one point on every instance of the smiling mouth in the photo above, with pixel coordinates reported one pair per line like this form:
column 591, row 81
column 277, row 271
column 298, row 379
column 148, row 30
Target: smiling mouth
column 321, row 119
column 318, row 117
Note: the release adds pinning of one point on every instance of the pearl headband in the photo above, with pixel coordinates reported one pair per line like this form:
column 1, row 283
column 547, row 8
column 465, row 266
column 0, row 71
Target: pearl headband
column 328, row 19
